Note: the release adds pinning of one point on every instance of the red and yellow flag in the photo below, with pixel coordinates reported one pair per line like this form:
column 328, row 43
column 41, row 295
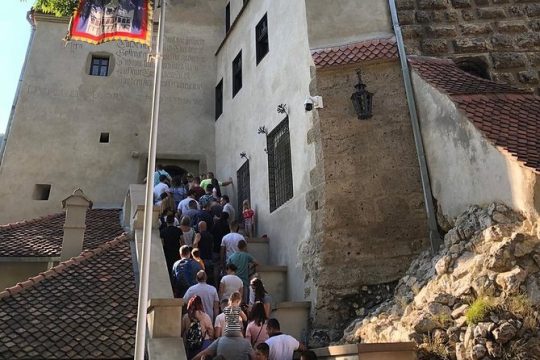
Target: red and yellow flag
column 99, row 21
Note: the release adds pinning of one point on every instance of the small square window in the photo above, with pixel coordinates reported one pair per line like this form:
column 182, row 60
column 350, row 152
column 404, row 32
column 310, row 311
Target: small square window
column 261, row 38
column 104, row 137
column 237, row 73
column 41, row 192
column 99, row 66
column 227, row 17
column 219, row 99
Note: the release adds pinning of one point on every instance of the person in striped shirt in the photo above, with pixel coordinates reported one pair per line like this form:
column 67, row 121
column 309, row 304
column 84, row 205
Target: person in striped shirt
column 234, row 316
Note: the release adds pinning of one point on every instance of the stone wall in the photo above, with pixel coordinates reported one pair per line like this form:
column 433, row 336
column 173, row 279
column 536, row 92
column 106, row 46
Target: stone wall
column 504, row 34
column 368, row 218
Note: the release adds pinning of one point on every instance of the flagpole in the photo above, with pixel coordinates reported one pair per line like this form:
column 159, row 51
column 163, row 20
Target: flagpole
column 140, row 339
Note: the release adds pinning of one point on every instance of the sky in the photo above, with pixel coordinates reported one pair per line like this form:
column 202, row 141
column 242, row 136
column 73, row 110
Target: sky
column 12, row 52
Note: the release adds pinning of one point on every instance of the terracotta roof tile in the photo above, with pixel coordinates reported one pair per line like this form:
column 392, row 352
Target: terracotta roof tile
column 508, row 117
column 42, row 237
column 446, row 76
column 510, row 121
column 84, row 309
column 377, row 49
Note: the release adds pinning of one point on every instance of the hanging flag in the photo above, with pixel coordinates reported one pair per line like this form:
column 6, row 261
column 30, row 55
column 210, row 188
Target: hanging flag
column 99, row 21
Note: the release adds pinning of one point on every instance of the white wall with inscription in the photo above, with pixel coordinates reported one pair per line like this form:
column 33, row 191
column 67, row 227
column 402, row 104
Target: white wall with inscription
column 62, row 111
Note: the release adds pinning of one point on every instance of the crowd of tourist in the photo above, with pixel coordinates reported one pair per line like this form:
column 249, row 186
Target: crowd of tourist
column 228, row 309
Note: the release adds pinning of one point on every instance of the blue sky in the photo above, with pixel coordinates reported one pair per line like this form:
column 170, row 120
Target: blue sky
column 12, row 23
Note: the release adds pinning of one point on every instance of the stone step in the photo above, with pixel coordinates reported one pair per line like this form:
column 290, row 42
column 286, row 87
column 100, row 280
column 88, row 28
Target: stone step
column 259, row 248
column 274, row 279
column 380, row 351
column 293, row 316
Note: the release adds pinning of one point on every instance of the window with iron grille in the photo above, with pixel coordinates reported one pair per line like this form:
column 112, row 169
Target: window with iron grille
column 99, row 66
column 237, row 73
column 261, row 38
column 243, row 184
column 278, row 145
column 219, row 99
column 227, row 17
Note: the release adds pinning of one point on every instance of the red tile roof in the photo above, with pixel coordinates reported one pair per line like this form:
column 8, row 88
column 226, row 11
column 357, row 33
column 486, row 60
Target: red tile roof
column 446, row 76
column 369, row 50
column 42, row 237
column 84, row 308
column 508, row 117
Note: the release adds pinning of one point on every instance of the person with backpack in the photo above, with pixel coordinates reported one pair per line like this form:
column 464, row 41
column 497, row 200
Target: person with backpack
column 197, row 330
column 184, row 272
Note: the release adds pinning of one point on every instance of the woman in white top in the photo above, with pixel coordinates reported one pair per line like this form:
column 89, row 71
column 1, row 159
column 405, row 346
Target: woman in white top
column 259, row 293
column 230, row 283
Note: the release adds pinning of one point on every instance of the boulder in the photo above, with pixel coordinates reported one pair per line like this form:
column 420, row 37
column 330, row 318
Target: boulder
column 424, row 323
column 478, row 351
column 494, row 349
column 504, row 333
column 510, row 281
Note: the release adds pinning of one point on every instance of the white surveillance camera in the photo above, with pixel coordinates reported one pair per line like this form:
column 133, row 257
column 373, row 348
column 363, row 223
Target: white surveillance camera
column 313, row 102
column 308, row 104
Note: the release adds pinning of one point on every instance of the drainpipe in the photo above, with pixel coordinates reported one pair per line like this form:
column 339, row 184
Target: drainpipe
column 30, row 19
column 434, row 235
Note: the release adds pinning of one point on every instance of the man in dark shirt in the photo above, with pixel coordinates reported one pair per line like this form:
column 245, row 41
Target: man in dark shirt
column 205, row 215
column 171, row 241
column 205, row 242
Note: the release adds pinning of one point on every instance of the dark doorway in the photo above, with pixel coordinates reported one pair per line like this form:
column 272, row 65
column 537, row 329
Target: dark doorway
column 174, row 170
column 242, row 177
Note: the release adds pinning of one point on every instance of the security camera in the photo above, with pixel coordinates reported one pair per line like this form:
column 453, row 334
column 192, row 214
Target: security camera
column 308, row 104
column 313, row 102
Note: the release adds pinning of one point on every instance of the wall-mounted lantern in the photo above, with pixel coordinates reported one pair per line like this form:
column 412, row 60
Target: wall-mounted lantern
column 362, row 99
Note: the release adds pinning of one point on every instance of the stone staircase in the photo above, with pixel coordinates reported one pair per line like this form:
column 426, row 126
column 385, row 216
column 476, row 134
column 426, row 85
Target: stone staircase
column 292, row 315
column 164, row 311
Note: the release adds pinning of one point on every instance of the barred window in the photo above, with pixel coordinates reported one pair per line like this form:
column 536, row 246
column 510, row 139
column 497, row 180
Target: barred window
column 243, row 184
column 278, row 145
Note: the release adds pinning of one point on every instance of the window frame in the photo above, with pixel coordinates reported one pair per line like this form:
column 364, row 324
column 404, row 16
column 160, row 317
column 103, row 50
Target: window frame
column 262, row 44
column 237, row 74
column 280, row 178
column 99, row 65
column 227, row 17
column 218, row 98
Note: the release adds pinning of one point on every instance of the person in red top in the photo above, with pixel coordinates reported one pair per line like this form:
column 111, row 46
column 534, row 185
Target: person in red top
column 249, row 219
column 197, row 189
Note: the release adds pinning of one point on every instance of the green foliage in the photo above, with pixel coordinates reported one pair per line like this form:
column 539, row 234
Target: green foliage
column 479, row 310
column 56, row 7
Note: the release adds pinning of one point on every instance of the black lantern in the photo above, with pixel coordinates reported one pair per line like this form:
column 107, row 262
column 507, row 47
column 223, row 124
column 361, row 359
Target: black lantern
column 362, row 99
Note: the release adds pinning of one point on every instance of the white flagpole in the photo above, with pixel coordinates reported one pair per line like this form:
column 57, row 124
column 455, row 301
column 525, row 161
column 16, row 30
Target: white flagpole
column 140, row 339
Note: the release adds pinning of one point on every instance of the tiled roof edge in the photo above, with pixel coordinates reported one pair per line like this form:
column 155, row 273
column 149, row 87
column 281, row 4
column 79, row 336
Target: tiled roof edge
column 355, row 52
column 56, row 270
column 18, row 224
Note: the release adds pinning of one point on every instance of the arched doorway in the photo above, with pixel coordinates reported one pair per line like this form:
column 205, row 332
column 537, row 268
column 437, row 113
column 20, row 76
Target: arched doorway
column 174, row 170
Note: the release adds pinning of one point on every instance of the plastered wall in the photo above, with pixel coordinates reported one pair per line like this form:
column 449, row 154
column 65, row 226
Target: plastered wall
column 282, row 77
column 464, row 167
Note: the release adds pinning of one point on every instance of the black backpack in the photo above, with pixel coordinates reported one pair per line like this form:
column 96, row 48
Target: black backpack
column 194, row 336
column 181, row 283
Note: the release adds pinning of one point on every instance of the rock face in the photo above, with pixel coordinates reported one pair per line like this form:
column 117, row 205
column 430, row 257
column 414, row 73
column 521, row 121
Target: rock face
column 478, row 298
